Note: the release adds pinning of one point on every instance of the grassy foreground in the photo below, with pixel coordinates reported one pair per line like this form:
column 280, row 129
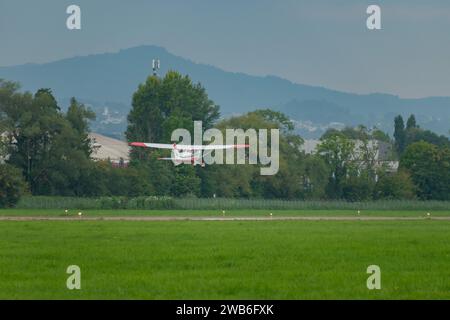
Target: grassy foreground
column 225, row 260
column 220, row 213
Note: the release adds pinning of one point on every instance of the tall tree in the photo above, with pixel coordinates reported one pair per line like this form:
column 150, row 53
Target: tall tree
column 159, row 106
column 338, row 153
column 399, row 134
column 429, row 167
column 79, row 116
column 50, row 148
column 31, row 124
column 411, row 122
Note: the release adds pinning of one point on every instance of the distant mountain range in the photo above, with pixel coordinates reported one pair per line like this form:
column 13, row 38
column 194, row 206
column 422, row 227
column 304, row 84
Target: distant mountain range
column 107, row 81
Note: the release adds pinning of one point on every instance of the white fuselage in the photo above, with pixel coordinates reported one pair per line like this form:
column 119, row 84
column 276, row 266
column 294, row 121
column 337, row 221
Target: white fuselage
column 183, row 154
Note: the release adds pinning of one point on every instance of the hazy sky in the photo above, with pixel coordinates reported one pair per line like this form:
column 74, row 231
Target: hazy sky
column 315, row 42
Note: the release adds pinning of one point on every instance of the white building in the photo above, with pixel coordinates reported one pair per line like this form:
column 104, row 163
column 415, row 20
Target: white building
column 383, row 154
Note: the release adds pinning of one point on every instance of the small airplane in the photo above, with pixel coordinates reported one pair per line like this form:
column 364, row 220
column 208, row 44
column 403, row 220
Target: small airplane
column 189, row 154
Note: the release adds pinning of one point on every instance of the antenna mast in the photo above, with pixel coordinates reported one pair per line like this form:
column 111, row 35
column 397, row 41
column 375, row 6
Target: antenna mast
column 156, row 65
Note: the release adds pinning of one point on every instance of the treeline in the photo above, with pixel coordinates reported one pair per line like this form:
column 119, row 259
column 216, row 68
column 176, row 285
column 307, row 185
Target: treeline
column 48, row 152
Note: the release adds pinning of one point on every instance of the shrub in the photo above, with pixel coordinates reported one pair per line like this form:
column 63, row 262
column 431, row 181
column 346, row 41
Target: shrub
column 357, row 189
column 12, row 186
column 395, row 186
column 167, row 203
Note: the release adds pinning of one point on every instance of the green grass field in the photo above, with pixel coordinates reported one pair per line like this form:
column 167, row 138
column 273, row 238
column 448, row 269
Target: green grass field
column 224, row 259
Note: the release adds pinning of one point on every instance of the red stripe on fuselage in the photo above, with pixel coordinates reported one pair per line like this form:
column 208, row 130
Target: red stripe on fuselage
column 138, row 144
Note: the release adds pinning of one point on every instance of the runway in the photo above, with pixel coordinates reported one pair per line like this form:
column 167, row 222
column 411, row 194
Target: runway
column 187, row 218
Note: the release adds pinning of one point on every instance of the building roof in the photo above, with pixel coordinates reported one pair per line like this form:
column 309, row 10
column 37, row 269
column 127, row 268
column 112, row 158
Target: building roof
column 106, row 148
column 384, row 150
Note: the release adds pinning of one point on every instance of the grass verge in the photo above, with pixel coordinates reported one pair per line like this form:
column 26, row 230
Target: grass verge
column 225, row 260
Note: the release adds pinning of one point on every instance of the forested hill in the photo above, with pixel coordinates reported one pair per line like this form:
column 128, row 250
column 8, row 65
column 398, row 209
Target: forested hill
column 107, row 82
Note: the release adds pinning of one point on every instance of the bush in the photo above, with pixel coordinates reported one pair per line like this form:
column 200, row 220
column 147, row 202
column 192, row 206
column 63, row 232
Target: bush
column 148, row 203
column 429, row 167
column 12, row 186
column 395, row 186
column 167, row 203
column 357, row 189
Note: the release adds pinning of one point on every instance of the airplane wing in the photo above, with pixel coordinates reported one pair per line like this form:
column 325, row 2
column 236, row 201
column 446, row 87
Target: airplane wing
column 219, row 146
column 178, row 159
column 153, row 145
column 188, row 147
